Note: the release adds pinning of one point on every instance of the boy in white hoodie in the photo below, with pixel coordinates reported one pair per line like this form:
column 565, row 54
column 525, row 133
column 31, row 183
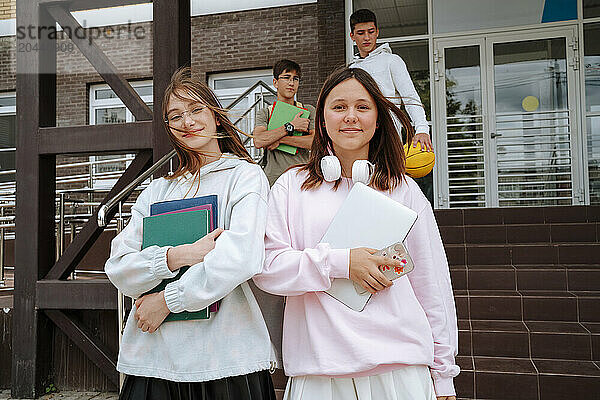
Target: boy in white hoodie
column 389, row 71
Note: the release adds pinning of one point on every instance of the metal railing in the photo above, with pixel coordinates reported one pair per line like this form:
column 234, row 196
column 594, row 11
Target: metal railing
column 73, row 212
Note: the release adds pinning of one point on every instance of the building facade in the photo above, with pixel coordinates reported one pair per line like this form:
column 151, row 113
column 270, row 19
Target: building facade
column 512, row 91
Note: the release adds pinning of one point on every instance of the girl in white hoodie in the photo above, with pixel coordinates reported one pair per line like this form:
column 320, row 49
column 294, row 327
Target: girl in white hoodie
column 402, row 345
column 229, row 355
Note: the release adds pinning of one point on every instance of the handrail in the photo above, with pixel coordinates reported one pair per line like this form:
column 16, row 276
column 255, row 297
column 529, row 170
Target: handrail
column 247, row 92
column 105, row 208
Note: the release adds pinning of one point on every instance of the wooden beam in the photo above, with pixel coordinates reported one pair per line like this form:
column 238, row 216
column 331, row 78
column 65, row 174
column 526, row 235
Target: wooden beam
column 80, row 294
column 101, row 63
column 80, row 5
column 90, row 231
column 113, row 138
column 97, row 352
column 35, row 209
column 172, row 50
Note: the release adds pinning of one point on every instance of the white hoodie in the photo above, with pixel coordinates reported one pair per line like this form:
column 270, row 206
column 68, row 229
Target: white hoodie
column 390, row 73
column 235, row 340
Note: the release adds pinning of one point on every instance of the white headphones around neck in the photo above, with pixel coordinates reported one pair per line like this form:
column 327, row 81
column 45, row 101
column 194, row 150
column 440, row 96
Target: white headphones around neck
column 361, row 170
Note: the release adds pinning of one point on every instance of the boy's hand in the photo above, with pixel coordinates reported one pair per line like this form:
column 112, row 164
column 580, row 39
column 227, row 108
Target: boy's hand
column 274, row 145
column 425, row 141
column 300, row 124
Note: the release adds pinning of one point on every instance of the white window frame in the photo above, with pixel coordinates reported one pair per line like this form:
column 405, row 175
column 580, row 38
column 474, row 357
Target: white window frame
column 98, row 104
column 116, row 102
column 9, row 110
column 233, row 93
column 226, row 96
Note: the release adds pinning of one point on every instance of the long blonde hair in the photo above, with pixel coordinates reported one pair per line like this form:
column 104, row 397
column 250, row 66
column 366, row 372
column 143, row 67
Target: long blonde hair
column 183, row 86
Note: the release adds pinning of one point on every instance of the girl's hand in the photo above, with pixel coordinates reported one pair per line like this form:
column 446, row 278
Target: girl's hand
column 151, row 311
column 364, row 269
column 193, row 253
column 446, row 398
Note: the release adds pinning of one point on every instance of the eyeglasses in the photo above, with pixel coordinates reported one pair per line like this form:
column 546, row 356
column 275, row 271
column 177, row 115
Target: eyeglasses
column 288, row 78
column 177, row 120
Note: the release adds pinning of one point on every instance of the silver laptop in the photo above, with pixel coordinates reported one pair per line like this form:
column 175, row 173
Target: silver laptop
column 367, row 218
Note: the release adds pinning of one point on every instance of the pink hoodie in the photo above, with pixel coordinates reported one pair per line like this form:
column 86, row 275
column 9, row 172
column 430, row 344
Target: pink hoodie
column 412, row 322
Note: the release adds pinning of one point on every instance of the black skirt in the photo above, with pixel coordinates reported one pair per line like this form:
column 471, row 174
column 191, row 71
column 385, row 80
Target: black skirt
column 254, row 386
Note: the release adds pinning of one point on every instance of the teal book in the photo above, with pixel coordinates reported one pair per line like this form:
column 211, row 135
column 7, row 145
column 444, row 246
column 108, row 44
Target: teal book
column 172, row 230
column 283, row 113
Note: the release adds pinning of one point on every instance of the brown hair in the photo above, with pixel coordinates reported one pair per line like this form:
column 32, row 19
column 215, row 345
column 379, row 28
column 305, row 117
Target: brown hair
column 361, row 16
column 184, row 87
column 284, row 65
column 385, row 148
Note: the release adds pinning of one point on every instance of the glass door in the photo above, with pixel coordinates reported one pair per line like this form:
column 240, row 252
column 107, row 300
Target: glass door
column 533, row 138
column 507, row 118
column 461, row 99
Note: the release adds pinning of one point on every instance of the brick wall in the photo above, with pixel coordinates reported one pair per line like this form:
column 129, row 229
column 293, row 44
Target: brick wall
column 332, row 35
column 256, row 39
column 8, row 63
column 8, row 9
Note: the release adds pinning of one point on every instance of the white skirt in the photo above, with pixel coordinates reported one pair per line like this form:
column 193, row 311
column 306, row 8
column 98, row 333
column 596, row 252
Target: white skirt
column 412, row 382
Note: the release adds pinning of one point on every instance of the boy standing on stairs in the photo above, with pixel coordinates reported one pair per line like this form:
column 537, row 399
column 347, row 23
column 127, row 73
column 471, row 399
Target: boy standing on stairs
column 286, row 79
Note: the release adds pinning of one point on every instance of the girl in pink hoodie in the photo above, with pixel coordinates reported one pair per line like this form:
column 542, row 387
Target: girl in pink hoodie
column 402, row 345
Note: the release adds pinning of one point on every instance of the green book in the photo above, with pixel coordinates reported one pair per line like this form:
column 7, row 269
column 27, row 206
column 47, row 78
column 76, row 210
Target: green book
column 172, row 230
column 281, row 114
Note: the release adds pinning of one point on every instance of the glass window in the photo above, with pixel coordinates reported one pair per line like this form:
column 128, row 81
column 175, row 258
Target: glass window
column 231, row 85
column 8, row 101
column 110, row 116
column 397, row 18
column 591, row 8
column 592, row 106
column 531, row 68
column 107, row 108
column 8, row 131
column 234, row 83
column 468, row 15
column 108, row 93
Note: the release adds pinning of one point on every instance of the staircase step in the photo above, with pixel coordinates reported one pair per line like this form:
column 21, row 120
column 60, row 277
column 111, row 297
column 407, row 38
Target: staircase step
column 562, row 379
column 495, row 305
column 549, row 254
column 588, row 304
column 528, row 305
column 501, row 378
column 556, row 233
column 579, row 232
column 549, row 306
column 583, row 279
column 491, row 279
column 594, row 328
column 464, row 383
column 541, row 278
column 505, row 378
column 535, row 254
column 458, row 276
column 560, row 340
column 494, row 234
column 499, row 338
column 486, row 255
